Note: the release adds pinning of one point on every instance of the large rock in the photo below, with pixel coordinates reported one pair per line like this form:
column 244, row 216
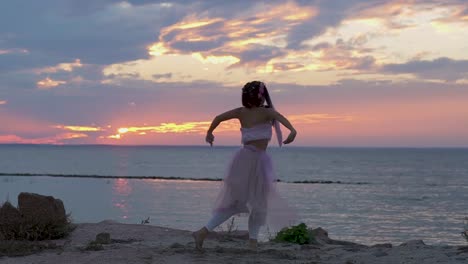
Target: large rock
column 321, row 237
column 413, row 243
column 41, row 209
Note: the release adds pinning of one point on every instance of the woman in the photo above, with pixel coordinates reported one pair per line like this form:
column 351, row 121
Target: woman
column 250, row 184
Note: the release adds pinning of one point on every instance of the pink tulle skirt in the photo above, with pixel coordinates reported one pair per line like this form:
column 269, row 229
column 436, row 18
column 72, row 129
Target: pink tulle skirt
column 250, row 187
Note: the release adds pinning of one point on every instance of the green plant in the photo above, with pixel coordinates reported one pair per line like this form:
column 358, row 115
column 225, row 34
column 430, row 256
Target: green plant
column 295, row 234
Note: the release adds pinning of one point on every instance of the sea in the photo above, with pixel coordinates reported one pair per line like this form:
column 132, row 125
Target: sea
column 364, row 195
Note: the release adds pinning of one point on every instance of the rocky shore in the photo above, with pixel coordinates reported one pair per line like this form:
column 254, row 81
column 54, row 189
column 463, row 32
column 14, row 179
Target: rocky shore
column 29, row 232
column 141, row 243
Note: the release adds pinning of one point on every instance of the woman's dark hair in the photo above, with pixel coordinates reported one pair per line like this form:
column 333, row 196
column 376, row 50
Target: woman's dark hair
column 251, row 96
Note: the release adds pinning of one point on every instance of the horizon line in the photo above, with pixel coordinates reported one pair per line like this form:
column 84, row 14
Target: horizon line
column 224, row 146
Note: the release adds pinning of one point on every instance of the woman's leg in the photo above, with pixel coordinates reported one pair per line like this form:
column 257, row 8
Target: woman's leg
column 217, row 219
column 256, row 220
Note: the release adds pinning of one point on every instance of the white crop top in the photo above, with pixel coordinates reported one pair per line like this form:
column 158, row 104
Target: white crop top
column 260, row 131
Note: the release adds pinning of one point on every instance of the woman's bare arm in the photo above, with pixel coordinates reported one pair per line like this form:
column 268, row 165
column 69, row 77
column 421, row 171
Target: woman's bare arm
column 231, row 114
column 273, row 114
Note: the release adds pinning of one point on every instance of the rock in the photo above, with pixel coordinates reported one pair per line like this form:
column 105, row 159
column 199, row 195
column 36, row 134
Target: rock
column 103, row 238
column 176, row 245
column 379, row 254
column 94, row 246
column 413, row 243
column 385, row 245
column 320, row 236
column 463, row 249
column 37, row 217
column 309, row 247
column 41, row 209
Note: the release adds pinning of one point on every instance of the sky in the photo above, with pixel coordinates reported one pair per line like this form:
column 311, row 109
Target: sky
column 350, row 73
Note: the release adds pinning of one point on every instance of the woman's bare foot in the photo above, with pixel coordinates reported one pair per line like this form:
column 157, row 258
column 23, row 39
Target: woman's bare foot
column 199, row 236
column 253, row 245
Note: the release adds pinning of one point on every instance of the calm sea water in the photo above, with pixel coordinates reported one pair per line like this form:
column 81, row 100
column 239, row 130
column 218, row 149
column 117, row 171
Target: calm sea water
column 377, row 195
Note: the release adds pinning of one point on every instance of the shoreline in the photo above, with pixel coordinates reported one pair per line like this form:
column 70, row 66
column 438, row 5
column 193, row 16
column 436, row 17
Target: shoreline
column 141, row 243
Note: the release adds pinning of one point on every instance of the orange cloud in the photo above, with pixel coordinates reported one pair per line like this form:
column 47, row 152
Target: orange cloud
column 163, row 128
column 199, row 127
column 79, row 128
column 229, row 126
column 317, row 118
column 48, row 83
column 196, row 24
column 2, row 102
column 241, row 31
column 57, row 139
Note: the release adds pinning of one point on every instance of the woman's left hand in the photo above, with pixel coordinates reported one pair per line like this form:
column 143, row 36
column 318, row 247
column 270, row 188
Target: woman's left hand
column 291, row 137
column 209, row 138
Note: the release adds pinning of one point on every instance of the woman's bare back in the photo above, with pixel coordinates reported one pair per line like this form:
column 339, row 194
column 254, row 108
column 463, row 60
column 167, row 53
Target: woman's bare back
column 250, row 117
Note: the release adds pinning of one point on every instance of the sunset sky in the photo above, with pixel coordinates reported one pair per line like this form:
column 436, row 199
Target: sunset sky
column 346, row 73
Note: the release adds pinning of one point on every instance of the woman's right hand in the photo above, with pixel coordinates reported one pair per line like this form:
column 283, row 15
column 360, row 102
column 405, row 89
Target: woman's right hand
column 209, row 138
column 291, row 137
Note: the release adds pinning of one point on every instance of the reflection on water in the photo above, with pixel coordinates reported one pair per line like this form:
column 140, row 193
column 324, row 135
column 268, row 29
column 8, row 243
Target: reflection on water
column 121, row 190
column 122, row 187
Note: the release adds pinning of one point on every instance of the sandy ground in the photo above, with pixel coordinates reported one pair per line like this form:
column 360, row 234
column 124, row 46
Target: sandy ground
column 153, row 244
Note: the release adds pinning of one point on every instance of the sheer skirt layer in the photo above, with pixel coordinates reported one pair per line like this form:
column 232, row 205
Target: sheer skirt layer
column 249, row 187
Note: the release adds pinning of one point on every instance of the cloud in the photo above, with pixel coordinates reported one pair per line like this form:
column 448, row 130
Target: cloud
column 457, row 14
column 79, row 128
column 438, row 69
column 330, row 14
column 67, row 67
column 13, row 51
column 57, row 139
column 65, row 47
column 11, row 62
column 163, row 128
column 163, row 76
column 257, row 54
column 287, row 66
column 350, row 54
column 101, row 33
column 318, row 118
column 2, row 102
column 111, row 31
column 249, row 35
column 49, row 83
